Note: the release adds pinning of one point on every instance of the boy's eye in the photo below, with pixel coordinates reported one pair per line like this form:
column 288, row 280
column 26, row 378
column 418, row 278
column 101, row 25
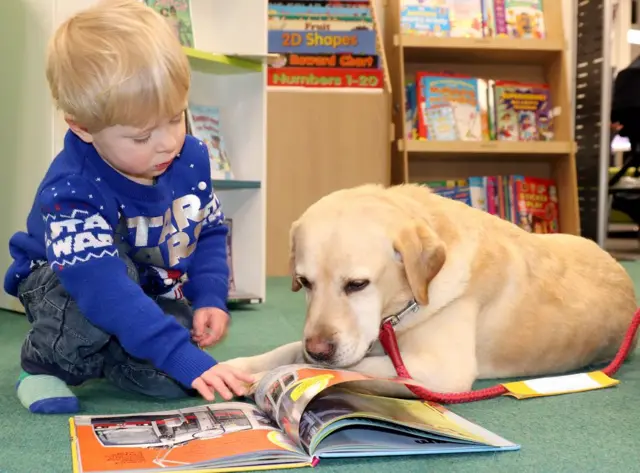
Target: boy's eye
column 142, row 140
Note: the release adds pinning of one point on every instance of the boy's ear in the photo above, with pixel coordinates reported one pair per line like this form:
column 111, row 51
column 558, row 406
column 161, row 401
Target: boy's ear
column 80, row 131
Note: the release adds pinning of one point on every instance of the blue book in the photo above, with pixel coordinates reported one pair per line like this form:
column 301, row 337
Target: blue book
column 313, row 10
column 323, row 42
column 430, row 20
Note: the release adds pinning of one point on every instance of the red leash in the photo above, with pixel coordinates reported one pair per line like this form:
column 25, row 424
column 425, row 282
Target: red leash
column 390, row 344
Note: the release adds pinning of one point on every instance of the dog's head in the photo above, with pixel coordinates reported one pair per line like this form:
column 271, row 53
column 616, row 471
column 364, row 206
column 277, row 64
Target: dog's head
column 360, row 258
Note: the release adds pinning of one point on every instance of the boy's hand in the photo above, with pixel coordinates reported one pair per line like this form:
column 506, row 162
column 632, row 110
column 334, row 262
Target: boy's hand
column 222, row 379
column 209, row 326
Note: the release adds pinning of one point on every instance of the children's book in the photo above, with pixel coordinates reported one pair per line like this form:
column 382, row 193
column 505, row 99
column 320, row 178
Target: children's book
column 428, row 18
column 178, row 15
column 534, row 204
column 466, row 18
column 523, row 111
column 295, row 416
column 204, row 123
column 465, row 99
column 519, row 18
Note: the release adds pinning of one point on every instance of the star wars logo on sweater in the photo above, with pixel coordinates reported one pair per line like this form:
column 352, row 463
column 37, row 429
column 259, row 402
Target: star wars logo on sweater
column 81, row 236
column 78, row 233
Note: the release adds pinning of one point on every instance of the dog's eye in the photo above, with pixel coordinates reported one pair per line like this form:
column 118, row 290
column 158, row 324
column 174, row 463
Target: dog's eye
column 304, row 282
column 355, row 285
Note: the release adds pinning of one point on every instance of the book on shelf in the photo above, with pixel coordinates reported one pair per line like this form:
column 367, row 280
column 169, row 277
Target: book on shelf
column 473, row 18
column 296, row 416
column 529, row 202
column 236, row 295
column 178, row 14
column 443, row 106
column 323, row 44
column 203, row 122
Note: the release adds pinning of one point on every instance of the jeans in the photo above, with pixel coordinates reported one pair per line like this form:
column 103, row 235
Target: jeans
column 64, row 343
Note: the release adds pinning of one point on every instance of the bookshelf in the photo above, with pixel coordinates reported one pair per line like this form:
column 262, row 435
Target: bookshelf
column 528, row 60
column 321, row 140
column 228, row 72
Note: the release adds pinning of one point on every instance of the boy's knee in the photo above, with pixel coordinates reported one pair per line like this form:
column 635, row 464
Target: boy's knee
column 132, row 270
column 147, row 381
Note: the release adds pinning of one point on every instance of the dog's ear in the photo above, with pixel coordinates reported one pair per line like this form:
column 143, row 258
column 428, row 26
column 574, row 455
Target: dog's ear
column 423, row 254
column 295, row 284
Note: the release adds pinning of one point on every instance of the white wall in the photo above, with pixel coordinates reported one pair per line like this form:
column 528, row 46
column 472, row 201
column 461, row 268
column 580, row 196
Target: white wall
column 26, row 116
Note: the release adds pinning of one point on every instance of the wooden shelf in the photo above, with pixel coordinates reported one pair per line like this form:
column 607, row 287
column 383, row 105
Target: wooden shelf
column 223, row 184
column 212, row 63
column 479, row 50
column 468, row 149
column 497, row 58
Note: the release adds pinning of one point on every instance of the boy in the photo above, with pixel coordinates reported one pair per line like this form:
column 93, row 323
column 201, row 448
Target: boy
column 124, row 223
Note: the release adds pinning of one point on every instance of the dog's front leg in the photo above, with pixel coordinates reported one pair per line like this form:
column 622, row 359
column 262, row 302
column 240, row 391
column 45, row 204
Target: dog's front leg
column 439, row 353
column 288, row 354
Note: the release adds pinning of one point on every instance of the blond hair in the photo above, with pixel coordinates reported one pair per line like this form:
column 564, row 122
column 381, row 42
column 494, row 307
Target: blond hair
column 117, row 63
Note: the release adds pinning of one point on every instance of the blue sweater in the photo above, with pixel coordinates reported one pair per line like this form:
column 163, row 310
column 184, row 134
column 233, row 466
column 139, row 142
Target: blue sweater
column 85, row 213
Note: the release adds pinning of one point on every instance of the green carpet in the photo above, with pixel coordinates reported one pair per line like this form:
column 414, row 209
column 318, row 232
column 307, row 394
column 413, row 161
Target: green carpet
column 588, row 432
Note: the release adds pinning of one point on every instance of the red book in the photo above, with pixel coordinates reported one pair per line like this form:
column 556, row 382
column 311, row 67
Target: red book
column 325, row 77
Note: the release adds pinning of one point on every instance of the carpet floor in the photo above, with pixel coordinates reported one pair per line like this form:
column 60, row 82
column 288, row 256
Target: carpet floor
column 587, row 432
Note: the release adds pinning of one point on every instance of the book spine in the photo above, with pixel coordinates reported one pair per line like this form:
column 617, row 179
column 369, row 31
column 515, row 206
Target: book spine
column 325, row 77
column 492, row 196
column 500, row 18
column 478, row 192
column 488, row 19
column 322, row 42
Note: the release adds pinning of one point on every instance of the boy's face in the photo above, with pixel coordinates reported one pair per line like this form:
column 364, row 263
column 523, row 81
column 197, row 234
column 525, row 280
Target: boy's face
column 139, row 154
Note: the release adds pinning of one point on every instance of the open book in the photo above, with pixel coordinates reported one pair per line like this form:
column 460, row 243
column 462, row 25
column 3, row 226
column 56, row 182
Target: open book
column 298, row 415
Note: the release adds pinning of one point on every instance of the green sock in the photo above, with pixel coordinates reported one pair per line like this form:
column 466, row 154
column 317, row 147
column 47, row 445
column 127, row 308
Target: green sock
column 46, row 394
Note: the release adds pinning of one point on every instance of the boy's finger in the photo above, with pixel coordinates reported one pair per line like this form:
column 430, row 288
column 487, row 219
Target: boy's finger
column 198, row 325
column 204, row 390
column 219, row 385
column 235, row 384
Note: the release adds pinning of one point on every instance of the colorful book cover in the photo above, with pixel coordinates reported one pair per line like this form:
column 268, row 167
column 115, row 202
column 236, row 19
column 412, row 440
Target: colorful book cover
column 325, row 77
column 205, row 125
column 348, row 60
column 318, row 24
column 460, row 92
column 441, row 122
column 323, row 42
column 523, row 111
column 519, row 18
column 535, row 204
column 178, row 14
column 430, row 19
column 315, row 10
column 488, row 19
column 465, row 18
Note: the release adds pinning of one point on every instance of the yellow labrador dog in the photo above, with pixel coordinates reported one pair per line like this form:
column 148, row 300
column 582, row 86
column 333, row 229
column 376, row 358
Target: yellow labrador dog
column 494, row 300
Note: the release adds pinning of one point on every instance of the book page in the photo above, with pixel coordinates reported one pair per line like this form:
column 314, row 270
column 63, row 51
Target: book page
column 414, row 417
column 283, row 393
column 230, row 433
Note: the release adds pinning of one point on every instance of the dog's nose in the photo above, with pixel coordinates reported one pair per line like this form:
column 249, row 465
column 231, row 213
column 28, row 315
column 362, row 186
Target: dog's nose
column 320, row 349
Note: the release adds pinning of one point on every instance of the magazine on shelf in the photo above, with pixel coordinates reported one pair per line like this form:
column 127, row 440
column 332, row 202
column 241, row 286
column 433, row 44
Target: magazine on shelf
column 293, row 417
